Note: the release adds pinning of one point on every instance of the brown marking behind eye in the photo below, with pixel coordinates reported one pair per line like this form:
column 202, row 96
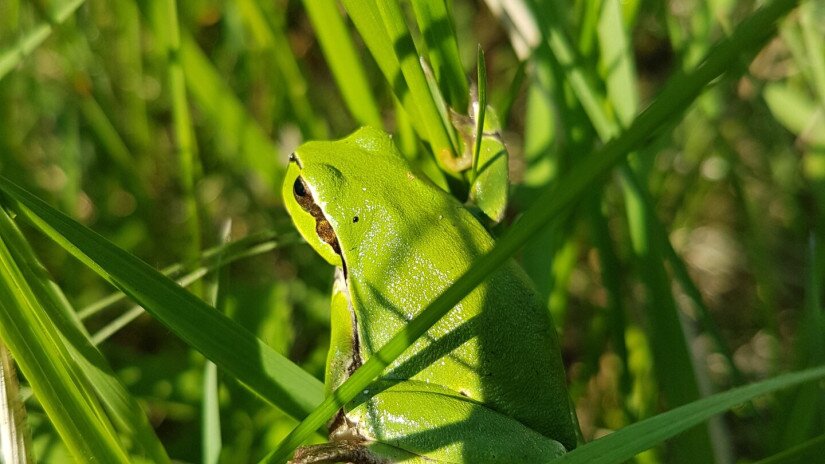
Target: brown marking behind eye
column 322, row 227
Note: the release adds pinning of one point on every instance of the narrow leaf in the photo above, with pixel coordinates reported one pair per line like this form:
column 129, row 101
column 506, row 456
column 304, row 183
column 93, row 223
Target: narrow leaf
column 124, row 410
column 346, row 66
column 48, row 366
column 623, row 444
column 233, row 348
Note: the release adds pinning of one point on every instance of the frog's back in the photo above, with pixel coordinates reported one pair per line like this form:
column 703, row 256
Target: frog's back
column 498, row 346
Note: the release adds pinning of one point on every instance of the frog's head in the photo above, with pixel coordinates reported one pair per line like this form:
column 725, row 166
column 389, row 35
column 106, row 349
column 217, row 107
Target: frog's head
column 326, row 181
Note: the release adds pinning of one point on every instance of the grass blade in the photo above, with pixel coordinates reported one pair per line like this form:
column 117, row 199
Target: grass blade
column 233, row 253
column 438, row 133
column 210, row 260
column 233, row 348
column 436, row 26
column 47, row 364
column 125, row 411
column 482, row 106
column 184, row 138
column 367, row 21
column 114, row 145
column 622, row 445
column 382, row 26
column 339, row 51
column 211, row 421
column 810, row 451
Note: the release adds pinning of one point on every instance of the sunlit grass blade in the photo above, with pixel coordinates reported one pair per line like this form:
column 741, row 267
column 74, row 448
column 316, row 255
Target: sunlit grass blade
column 367, row 21
column 617, row 63
column 410, row 145
column 679, row 384
column 482, row 107
column 682, row 276
column 588, row 17
column 438, row 130
column 12, row 57
column 47, row 364
column 623, row 444
column 130, row 72
column 233, row 253
column 384, row 30
column 552, row 203
column 436, row 25
column 345, row 64
column 795, row 110
column 211, row 442
column 124, row 410
column 245, row 247
column 810, row 21
column 440, row 103
column 117, row 324
column 549, row 18
column 673, row 364
column 233, row 348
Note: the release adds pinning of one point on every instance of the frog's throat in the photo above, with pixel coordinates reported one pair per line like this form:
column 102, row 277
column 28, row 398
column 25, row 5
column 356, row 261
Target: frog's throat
column 340, row 426
column 356, row 360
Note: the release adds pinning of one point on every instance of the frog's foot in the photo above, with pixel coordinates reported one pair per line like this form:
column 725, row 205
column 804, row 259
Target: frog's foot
column 330, row 453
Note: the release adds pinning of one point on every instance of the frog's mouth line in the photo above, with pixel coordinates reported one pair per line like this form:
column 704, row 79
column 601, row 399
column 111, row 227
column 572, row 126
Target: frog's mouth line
column 323, row 228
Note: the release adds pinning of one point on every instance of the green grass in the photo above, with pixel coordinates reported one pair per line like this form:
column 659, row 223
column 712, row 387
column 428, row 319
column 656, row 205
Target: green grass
column 668, row 180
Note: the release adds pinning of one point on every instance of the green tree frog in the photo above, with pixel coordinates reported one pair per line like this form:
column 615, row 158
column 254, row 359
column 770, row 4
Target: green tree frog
column 486, row 384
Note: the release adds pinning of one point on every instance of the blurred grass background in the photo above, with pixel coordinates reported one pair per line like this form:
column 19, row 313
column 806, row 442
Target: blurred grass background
column 153, row 125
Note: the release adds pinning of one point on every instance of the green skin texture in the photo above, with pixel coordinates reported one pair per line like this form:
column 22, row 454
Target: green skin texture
column 486, row 383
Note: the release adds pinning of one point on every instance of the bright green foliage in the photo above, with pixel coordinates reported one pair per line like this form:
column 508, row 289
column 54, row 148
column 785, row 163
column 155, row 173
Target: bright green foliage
column 664, row 190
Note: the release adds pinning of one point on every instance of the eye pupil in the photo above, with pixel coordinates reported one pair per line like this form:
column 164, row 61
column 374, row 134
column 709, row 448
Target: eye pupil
column 298, row 188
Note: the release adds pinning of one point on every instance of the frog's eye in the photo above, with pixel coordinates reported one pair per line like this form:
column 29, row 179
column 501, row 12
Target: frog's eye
column 299, row 189
column 322, row 227
column 304, row 198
